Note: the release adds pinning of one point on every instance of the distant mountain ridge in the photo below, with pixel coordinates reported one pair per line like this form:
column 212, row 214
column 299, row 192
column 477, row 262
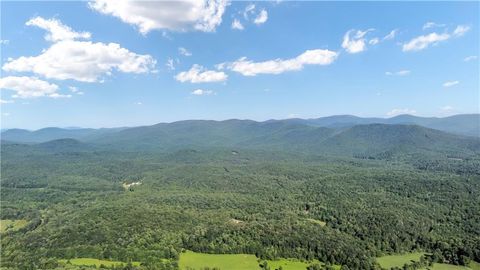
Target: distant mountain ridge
column 463, row 124
column 336, row 135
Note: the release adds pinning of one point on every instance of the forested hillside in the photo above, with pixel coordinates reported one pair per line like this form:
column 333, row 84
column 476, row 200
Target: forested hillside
column 278, row 189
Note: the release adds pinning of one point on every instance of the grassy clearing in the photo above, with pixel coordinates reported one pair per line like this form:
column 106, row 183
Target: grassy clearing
column 398, row 260
column 287, row 264
column 12, row 225
column 316, row 221
column 195, row 260
column 474, row 265
column 292, row 264
column 95, row 262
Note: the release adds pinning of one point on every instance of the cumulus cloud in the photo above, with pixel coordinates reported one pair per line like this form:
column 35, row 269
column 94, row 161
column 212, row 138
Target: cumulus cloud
column 261, row 18
column 29, row 87
column 396, row 112
column 310, row 57
column 450, row 83
column 184, row 52
column 424, row 41
column 470, row 58
column 201, row 15
column 4, row 41
column 57, row 31
column 398, row 73
column 202, row 92
column 82, row 61
column 236, row 24
column 198, row 74
column 354, row 41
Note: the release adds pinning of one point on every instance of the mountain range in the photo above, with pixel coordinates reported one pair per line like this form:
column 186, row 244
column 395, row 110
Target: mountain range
column 335, row 135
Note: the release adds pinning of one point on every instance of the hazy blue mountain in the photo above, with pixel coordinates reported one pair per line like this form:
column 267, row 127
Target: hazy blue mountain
column 464, row 124
column 54, row 133
column 288, row 134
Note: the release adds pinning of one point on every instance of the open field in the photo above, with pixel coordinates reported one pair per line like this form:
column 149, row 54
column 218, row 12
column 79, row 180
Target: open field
column 196, row 260
column 398, row 260
column 95, row 262
column 474, row 265
column 12, row 225
column 288, row 264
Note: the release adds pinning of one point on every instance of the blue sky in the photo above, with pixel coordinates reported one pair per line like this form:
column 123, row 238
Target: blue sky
column 104, row 64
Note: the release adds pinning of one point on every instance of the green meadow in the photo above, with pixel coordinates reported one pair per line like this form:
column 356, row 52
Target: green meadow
column 194, row 260
column 95, row 262
column 398, row 260
column 474, row 265
column 12, row 225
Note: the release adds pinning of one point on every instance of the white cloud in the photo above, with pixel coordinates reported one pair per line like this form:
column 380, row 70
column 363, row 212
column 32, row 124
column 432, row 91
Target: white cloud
column 236, row 24
column 398, row 73
column 310, row 57
column 6, row 114
column 138, row 103
column 170, row 64
column 249, row 9
column 28, row 87
column 3, row 101
column 75, row 90
column 396, row 112
column 423, row 42
column 202, row 92
column 354, row 41
column 57, row 95
column 261, row 18
column 470, row 58
column 4, row 41
column 428, row 25
column 450, row 83
column 447, row 108
column 391, row 35
column 57, row 31
column 374, row 41
column 82, row 61
column 198, row 74
column 461, row 30
column 184, row 52
column 201, row 15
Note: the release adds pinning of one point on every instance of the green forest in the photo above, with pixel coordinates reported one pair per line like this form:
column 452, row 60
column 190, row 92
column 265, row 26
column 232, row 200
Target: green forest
column 121, row 205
